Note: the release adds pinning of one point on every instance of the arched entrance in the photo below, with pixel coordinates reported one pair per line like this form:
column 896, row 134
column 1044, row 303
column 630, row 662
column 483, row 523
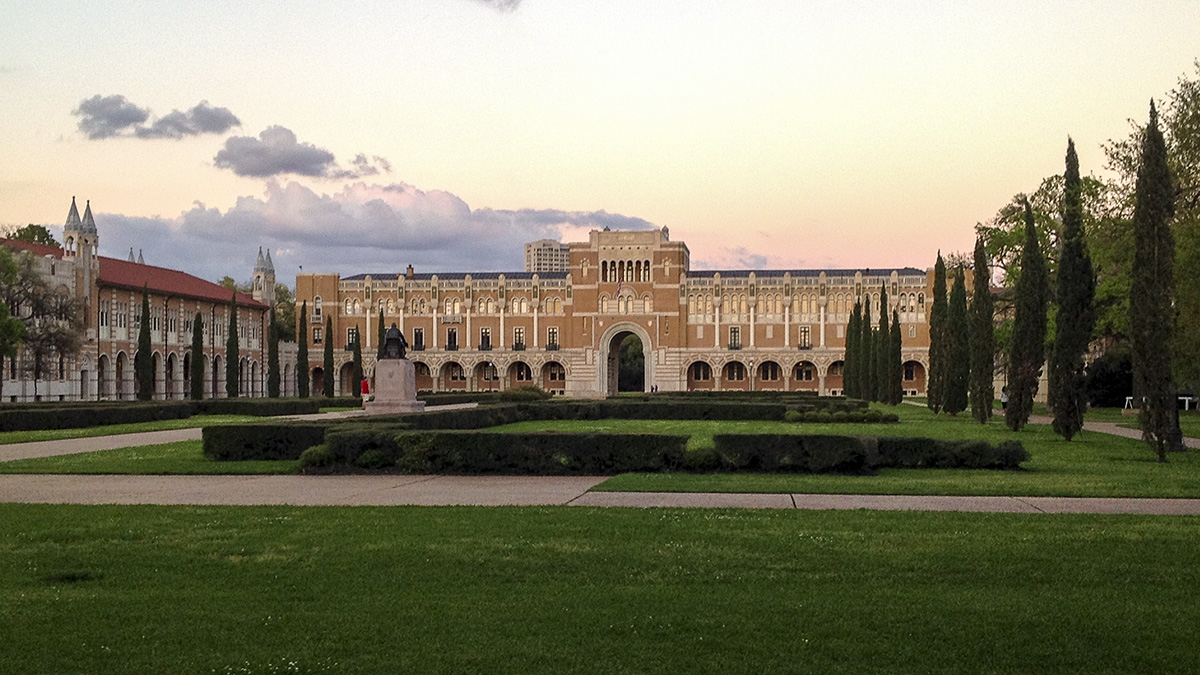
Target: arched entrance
column 318, row 381
column 346, row 380
column 615, row 342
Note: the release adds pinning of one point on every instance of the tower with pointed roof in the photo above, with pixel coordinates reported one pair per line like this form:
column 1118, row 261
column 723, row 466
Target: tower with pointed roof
column 81, row 244
column 264, row 278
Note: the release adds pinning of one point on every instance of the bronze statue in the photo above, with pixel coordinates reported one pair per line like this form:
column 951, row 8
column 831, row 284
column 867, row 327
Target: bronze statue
column 394, row 343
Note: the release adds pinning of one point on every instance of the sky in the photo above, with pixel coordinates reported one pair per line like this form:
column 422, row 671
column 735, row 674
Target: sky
column 364, row 136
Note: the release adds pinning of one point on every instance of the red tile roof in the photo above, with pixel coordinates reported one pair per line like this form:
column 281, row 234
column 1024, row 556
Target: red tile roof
column 134, row 276
column 39, row 250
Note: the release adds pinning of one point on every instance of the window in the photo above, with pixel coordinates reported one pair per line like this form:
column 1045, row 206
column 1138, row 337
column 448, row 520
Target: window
column 804, row 371
column 349, row 306
column 805, row 339
column 912, row 331
column 351, row 336
column 768, row 371
column 735, row 337
column 735, row 371
column 317, row 308
column 418, row 343
column 485, row 338
column 552, row 337
column 455, row 372
column 910, row 371
column 519, row 337
column 699, row 372
column 488, row 371
column 451, row 339
column 316, row 336
column 521, row 372
column 835, row 368
column 555, row 372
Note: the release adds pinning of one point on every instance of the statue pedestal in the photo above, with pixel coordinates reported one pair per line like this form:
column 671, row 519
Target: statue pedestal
column 395, row 388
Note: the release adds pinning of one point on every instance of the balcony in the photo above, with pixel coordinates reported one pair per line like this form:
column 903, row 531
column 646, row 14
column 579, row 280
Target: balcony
column 552, row 347
column 519, row 347
column 419, row 347
column 734, row 347
column 485, row 347
column 452, row 347
column 803, row 347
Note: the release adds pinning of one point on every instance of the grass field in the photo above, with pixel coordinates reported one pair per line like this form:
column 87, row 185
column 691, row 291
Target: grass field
column 183, row 457
column 503, row 590
column 193, row 422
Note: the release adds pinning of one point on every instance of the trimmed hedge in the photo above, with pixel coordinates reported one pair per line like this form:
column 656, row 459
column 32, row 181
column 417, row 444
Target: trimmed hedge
column 28, row 418
column 456, row 397
column 240, row 442
column 258, row 407
column 925, row 453
column 854, row 454
column 541, row 454
column 857, row 417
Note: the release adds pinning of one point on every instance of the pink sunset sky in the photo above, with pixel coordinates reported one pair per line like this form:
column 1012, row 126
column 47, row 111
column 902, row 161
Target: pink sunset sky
column 366, row 136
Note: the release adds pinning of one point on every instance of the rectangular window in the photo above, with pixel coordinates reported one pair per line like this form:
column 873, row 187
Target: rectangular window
column 910, row 371
column 552, row 337
column 418, row 339
column 770, row 332
column 351, row 336
column 699, row 332
column 485, row 339
column 451, row 339
column 735, row 337
column 805, row 340
column 519, row 338
column 316, row 336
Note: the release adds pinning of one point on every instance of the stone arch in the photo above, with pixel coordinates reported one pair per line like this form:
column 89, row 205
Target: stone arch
column 171, row 377
column 485, row 376
column 768, row 375
column 452, row 376
column 104, row 377
column 700, row 375
column 123, row 377
column 833, row 377
column 519, row 374
column 317, row 381
column 912, row 378
column 805, row 377
column 735, row 376
column 346, row 384
column 610, row 349
column 554, row 377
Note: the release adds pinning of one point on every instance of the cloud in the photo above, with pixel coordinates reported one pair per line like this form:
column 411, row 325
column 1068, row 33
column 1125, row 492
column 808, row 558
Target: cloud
column 364, row 228
column 108, row 116
column 501, row 5
column 277, row 152
column 115, row 116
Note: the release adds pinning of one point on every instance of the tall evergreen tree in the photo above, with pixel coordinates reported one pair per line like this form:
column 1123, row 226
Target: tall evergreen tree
column 937, row 337
column 273, row 358
column 883, row 351
column 143, row 361
column 1076, row 310
column 327, row 390
column 232, row 352
column 1150, row 302
column 197, row 364
column 850, row 362
column 983, row 338
column 1028, row 351
column 358, row 368
column 896, row 363
column 302, row 353
column 380, row 337
column 958, row 364
column 866, row 350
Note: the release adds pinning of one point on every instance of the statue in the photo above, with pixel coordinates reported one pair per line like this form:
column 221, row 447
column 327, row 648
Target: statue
column 394, row 343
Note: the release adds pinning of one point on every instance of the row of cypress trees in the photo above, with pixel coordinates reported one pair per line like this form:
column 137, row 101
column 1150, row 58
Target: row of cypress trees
column 872, row 366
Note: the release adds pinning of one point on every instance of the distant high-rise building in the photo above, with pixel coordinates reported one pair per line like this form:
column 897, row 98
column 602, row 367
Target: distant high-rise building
column 546, row 255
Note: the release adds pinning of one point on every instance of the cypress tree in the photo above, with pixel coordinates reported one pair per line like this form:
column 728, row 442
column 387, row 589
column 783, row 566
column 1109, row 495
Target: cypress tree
column 358, row 369
column 327, row 390
column 866, row 351
column 1028, row 351
column 983, row 339
column 198, row 357
column 937, row 337
column 302, row 353
column 1076, row 310
column 143, row 361
column 1151, row 294
column 850, row 362
column 380, row 337
column 272, row 358
column 958, row 363
column 883, row 351
column 232, row 352
column 895, row 363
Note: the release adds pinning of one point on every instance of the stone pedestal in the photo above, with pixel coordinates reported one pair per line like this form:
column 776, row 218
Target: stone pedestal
column 395, row 388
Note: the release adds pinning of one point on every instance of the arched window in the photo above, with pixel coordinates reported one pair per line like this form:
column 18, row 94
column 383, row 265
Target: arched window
column 725, row 304
column 391, row 306
column 745, row 309
column 920, row 302
column 317, row 307
column 457, row 305
column 699, row 372
column 708, row 304
column 691, row 304
column 778, row 304
column 645, row 270
column 349, row 305
column 667, row 268
column 449, row 306
column 604, row 303
column 647, row 304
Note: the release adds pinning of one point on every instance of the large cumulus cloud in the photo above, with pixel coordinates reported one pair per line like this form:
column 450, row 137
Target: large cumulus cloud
column 114, row 116
column 364, row 228
column 278, row 152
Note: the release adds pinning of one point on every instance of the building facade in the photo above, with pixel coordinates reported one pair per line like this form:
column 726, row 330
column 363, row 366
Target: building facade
column 717, row 330
column 547, row 255
column 108, row 295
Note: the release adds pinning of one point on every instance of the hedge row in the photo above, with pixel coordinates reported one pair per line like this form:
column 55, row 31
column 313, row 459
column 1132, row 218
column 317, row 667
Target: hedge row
column 476, row 453
column 77, row 416
column 258, row 407
column 854, row 454
column 842, row 417
column 241, row 442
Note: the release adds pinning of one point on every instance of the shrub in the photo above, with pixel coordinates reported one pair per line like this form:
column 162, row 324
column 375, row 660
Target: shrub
column 316, row 457
column 261, row 440
column 75, row 416
column 373, row 459
column 792, row 453
column 928, row 453
column 793, row 416
column 259, row 407
column 347, row 443
column 550, row 454
column 527, row 392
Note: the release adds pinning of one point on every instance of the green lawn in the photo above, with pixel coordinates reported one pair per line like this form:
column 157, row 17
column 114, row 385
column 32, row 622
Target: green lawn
column 1189, row 423
column 144, row 589
column 184, row 457
column 1093, row 465
column 192, row 422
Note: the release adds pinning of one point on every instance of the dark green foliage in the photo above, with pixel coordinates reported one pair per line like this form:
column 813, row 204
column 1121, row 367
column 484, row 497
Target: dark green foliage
column 540, row 454
column 143, row 361
column 896, row 363
column 232, row 352
column 926, row 453
column 958, row 367
column 239, row 442
column 883, row 354
column 197, row 364
column 316, row 457
column 983, row 338
column 90, row 414
column 273, row 358
column 258, row 407
column 1028, row 351
column 938, row 338
column 1110, row 380
column 347, row 442
column 1150, row 305
column 373, row 460
column 327, row 389
column 852, row 361
column 631, row 371
column 866, row 351
column 777, row 453
column 380, row 336
column 454, row 397
column 302, row 369
column 527, row 392
column 841, row 417
column 1076, row 310
column 356, row 386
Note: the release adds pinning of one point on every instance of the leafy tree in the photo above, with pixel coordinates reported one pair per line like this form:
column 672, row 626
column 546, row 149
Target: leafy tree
column 241, row 287
column 883, row 351
column 197, row 357
column 896, row 357
column 232, row 352
column 1028, row 351
column 1153, row 289
column 937, row 338
column 52, row 321
column 851, row 361
column 143, row 361
column 631, row 366
column 358, row 368
column 958, row 363
column 285, row 313
column 12, row 331
column 273, row 357
column 302, row 353
column 866, row 352
column 327, row 390
column 380, row 336
column 1076, row 312
column 34, row 234
column 983, row 338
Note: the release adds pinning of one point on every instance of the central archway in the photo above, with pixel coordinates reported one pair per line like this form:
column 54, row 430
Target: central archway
column 610, row 358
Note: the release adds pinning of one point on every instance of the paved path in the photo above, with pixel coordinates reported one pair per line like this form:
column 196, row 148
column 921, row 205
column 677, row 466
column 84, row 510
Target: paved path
column 71, row 446
column 506, row 491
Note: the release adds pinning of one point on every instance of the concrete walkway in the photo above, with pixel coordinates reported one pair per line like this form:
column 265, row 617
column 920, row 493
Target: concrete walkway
column 507, row 491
